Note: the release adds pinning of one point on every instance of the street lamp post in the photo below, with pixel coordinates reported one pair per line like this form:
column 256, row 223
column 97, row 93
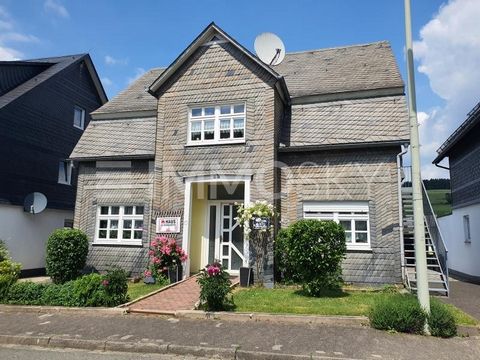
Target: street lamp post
column 419, row 231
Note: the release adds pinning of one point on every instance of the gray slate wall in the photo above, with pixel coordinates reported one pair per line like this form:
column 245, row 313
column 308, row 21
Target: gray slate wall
column 362, row 175
column 114, row 186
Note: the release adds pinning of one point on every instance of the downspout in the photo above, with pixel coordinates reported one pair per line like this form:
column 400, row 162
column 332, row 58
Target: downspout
column 400, row 207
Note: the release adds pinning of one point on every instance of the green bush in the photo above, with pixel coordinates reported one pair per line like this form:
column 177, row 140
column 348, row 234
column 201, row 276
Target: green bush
column 214, row 284
column 59, row 295
column 401, row 313
column 25, row 293
column 89, row 290
column 67, row 251
column 441, row 321
column 115, row 283
column 9, row 270
column 310, row 252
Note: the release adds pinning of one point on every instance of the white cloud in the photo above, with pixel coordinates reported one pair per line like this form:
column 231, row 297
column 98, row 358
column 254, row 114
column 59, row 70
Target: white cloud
column 55, row 7
column 110, row 60
column 17, row 37
column 138, row 72
column 5, row 25
column 8, row 54
column 448, row 53
column 106, row 81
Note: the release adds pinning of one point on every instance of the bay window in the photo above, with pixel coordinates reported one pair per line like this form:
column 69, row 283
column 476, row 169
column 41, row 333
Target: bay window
column 119, row 225
column 353, row 216
column 216, row 124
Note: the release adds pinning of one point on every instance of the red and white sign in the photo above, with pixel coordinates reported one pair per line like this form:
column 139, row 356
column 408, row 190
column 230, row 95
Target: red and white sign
column 168, row 225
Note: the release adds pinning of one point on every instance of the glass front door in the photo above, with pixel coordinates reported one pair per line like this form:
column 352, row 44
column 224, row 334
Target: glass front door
column 225, row 240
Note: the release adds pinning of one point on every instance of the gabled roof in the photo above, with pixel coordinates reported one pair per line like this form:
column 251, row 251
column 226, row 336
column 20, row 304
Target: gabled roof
column 342, row 69
column 125, row 138
column 135, row 99
column 382, row 120
column 473, row 119
column 206, row 35
column 52, row 66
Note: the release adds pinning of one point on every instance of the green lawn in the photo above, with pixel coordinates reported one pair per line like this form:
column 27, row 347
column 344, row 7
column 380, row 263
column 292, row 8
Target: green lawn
column 136, row 290
column 291, row 301
column 439, row 202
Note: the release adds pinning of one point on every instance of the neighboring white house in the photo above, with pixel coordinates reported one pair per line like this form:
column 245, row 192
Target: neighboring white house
column 461, row 229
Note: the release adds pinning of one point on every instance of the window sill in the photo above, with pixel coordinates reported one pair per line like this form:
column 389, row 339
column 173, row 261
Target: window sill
column 230, row 142
column 359, row 249
column 117, row 243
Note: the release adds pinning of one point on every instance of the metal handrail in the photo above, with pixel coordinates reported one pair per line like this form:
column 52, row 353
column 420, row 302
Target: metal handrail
column 440, row 248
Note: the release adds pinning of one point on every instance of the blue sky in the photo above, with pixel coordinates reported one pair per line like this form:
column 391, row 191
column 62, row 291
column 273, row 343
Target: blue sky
column 126, row 38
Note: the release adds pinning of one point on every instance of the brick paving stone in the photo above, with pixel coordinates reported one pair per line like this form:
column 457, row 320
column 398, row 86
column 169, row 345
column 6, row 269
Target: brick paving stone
column 182, row 296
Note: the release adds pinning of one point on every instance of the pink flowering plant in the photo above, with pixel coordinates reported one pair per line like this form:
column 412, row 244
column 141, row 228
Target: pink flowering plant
column 215, row 288
column 164, row 253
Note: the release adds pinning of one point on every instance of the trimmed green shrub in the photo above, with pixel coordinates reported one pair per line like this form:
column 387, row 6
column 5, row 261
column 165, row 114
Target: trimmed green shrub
column 3, row 251
column 89, row 290
column 214, row 284
column 59, row 295
column 9, row 270
column 401, row 313
column 310, row 252
column 67, row 251
column 115, row 283
column 441, row 321
column 25, row 293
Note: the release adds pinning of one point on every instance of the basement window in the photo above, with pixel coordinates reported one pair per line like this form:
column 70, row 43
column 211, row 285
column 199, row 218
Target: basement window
column 216, row 124
column 119, row 225
column 353, row 216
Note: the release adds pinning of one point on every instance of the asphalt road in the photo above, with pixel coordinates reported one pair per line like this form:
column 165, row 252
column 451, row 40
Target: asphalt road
column 10, row 352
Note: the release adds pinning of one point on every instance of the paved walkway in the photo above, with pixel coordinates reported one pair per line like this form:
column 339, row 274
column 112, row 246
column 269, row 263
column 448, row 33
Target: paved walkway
column 327, row 341
column 466, row 296
column 181, row 296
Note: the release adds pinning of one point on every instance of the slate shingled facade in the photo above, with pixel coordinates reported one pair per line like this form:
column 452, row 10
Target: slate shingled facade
column 290, row 121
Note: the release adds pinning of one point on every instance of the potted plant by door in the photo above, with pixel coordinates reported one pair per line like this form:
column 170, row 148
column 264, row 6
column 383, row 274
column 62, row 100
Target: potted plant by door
column 257, row 222
column 166, row 256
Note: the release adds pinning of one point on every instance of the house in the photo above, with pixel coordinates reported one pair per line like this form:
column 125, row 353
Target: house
column 44, row 109
column 319, row 136
column 461, row 229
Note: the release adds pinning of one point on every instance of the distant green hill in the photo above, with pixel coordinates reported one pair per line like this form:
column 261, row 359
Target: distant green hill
column 440, row 203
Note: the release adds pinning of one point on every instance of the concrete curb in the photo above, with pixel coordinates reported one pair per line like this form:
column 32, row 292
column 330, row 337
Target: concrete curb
column 63, row 309
column 147, row 348
column 357, row 321
column 464, row 330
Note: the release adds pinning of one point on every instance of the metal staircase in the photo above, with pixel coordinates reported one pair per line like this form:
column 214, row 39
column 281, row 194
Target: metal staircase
column 434, row 246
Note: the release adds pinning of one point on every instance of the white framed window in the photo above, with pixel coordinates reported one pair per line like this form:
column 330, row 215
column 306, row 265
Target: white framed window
column 352, row 215
column 119, row 224
column 466, row 228
column 79, row 117
column 65, row 172
column 216, row 124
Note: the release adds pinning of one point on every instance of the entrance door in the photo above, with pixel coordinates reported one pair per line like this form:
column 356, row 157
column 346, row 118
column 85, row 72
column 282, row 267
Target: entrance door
column 225, row 240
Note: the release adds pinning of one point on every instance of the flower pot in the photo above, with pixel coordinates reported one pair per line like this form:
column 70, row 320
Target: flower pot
column 174, row 274
column 246, row 276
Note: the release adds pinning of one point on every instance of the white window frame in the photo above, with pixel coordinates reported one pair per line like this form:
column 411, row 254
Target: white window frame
column 82, row 117
column 217, row 117
column 65, row 172
column 466, row 229
column 120, row 217
column 342, row 211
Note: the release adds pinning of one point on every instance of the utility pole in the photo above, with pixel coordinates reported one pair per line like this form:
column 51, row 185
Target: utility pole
column 420, row 251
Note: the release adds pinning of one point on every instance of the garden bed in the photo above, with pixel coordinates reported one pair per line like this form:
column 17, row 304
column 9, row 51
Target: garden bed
column 290, row 300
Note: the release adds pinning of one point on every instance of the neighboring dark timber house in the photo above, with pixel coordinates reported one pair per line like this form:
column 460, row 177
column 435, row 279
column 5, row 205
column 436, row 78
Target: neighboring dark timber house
column 45, row 105
column 319, row 136
column 461, row 229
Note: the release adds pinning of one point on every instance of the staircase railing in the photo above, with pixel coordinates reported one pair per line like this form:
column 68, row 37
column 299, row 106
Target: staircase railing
column 435, row 235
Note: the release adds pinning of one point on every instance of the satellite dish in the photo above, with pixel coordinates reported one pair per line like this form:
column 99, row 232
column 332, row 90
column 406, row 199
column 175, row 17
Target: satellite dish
column 35, row 203
column 269, row 48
